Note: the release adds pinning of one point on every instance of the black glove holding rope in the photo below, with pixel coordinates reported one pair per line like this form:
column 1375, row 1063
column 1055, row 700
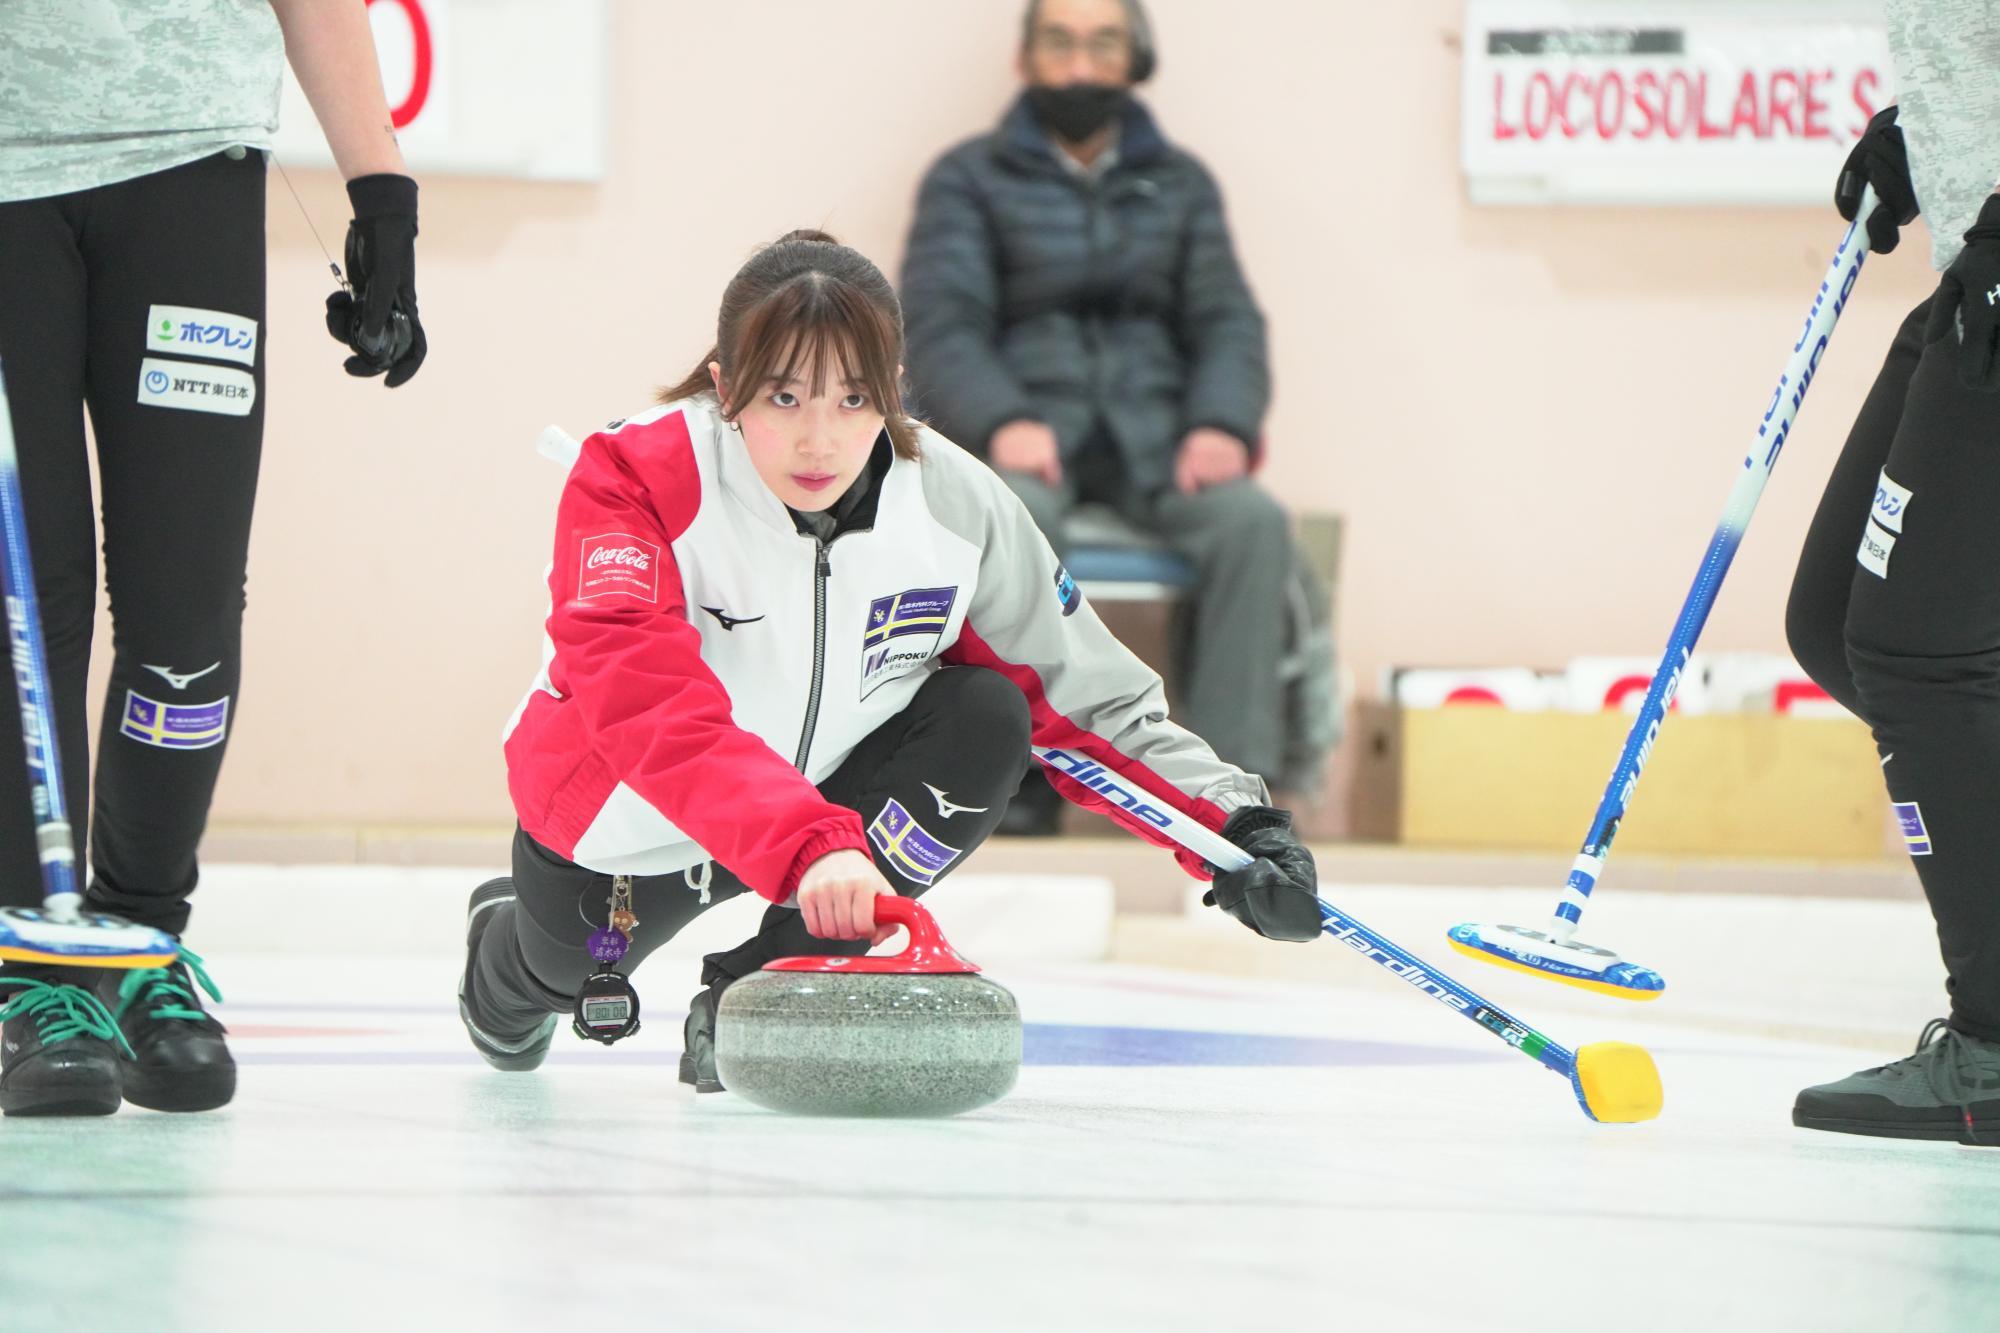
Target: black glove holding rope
column 1879, row 159
column 1276, row 895
column 1968, row 302
column 378, row 317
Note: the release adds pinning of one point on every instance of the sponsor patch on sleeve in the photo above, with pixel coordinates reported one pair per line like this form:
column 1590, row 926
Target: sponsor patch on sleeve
column 1067, row 593
column 190, row 331
column 618, row 564
column 908, row 846
column 1877, row 544
column 1891, row 501
column 168, row 726
column 1916, row 837
column 196, row 388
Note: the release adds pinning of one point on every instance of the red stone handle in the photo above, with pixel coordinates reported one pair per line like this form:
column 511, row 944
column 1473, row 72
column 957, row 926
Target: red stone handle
column 928, row 950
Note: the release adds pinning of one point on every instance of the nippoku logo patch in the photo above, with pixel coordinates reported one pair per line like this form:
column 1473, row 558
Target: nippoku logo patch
column 903, row 633
column 618, row 564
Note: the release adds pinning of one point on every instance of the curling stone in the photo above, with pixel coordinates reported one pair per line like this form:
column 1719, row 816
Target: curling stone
column 916, row 1034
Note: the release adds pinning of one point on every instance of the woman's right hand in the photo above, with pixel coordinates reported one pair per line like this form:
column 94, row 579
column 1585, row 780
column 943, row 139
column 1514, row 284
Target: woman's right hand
column 837, row 898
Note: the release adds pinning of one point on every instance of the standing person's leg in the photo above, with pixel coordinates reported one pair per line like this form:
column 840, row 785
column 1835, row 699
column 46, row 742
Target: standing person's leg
column 1241, row 545
column 1923, row 645
column 49, row 1064
column 1816, row 613
column 176, row 397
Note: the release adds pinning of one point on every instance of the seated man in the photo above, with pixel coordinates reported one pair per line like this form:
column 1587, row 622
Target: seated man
column 1077, row 316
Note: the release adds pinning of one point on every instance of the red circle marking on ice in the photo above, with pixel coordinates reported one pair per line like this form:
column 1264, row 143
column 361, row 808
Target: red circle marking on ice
column 1472, row 694
column 420, row 63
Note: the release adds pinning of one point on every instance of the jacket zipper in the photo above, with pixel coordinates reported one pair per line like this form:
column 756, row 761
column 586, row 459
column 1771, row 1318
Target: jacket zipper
column 822, row 569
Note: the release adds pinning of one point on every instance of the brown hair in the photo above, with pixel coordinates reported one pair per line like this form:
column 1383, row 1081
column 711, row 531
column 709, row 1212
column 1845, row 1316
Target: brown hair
column 807, row 297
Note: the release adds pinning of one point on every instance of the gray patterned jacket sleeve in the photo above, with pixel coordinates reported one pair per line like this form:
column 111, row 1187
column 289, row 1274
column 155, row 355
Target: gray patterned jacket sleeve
column 1948, row 95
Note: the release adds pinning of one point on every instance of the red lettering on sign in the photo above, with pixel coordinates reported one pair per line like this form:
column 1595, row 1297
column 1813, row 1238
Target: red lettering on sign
column 419, row 91
column 1501, row 129
column 1816, row 105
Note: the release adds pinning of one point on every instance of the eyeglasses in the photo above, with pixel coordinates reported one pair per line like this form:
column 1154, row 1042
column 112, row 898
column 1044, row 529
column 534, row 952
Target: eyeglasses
column 1106, row 46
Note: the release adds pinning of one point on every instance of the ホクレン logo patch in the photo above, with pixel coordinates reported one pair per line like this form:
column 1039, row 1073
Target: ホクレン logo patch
column 618, row 564
column 1891, row 501
column 193, row 388
column 168, row 726
column 194, row 332
column 903, row 633
column 907, row 846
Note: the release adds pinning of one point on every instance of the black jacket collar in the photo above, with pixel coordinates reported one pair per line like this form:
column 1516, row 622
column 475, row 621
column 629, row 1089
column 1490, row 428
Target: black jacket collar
column 1139, row 139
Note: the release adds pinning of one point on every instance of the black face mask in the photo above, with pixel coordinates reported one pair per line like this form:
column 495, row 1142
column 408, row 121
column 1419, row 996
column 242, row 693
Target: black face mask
column 1078, row 111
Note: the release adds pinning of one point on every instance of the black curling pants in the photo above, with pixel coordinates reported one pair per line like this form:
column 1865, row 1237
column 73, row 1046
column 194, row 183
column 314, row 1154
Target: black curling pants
column 949, row 760
column 142, row 301
column 1895, row 611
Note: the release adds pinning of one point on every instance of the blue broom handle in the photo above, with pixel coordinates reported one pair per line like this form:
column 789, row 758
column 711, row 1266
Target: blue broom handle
column 1772, row 431
column 31, row 681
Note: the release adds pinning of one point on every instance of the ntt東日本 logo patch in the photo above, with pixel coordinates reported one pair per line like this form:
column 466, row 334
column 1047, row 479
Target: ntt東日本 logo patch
column 903, row 633
column 193, row 388
column 618, row 564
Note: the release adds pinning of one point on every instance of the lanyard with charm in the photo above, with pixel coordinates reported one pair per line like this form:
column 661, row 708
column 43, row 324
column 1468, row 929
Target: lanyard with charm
column 607, row 1008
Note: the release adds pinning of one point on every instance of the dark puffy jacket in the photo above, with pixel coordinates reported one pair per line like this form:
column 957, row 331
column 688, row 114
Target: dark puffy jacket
column 1116, row 306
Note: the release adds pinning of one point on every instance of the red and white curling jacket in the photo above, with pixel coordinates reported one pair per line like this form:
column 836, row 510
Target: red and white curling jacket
column 706, row 664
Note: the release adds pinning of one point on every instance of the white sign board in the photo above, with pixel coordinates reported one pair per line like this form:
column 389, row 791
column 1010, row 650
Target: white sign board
column 1667, row 102
column 483, row 87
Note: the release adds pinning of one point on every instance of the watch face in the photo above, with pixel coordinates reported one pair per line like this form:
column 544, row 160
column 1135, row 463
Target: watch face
column 607, row 1008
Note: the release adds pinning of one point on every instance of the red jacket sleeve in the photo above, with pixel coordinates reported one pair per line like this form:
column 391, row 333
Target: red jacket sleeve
column 627, row 657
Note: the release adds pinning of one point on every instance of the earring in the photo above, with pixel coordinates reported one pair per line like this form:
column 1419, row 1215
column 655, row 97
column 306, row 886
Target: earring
column 735, row 426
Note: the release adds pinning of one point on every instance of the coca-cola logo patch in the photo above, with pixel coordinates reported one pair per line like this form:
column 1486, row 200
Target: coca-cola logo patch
column 615, row 563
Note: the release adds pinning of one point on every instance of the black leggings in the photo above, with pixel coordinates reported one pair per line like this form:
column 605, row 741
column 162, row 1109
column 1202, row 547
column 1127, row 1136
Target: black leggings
column 949, row 760
column 144, row 301
column 1895, row 611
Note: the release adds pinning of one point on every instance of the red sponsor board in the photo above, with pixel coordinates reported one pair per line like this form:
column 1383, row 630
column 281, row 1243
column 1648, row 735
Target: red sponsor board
column 1674, row 101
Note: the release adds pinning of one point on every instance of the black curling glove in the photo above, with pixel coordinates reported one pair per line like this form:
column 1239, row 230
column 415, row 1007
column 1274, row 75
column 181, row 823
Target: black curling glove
column 1276, row 895
column 1968, row 302
column 1879, row 159
column 378, row 318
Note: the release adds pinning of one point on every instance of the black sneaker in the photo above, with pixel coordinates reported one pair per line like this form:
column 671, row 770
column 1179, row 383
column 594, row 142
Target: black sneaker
column 58, row 1047
column 179, row 1060
column 1950, row 1089
column 515, row 1052
column 698, row 1036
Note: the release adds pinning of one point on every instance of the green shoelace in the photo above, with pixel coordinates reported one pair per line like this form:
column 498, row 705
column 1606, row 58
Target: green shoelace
column 61, row 1012
column 159, row 990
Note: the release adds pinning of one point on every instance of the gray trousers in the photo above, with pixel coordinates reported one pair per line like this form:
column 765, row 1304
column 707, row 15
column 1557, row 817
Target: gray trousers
column 1239, row 542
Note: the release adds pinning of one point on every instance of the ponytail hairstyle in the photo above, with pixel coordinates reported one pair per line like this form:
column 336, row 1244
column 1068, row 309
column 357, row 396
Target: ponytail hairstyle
column 810, row 307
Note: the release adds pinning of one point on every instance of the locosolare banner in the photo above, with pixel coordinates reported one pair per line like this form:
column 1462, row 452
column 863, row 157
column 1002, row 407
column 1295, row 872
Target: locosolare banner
column 517, row 88
column 1751, row 102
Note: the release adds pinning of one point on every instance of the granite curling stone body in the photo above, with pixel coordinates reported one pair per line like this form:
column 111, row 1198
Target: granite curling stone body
column 916, row 1034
